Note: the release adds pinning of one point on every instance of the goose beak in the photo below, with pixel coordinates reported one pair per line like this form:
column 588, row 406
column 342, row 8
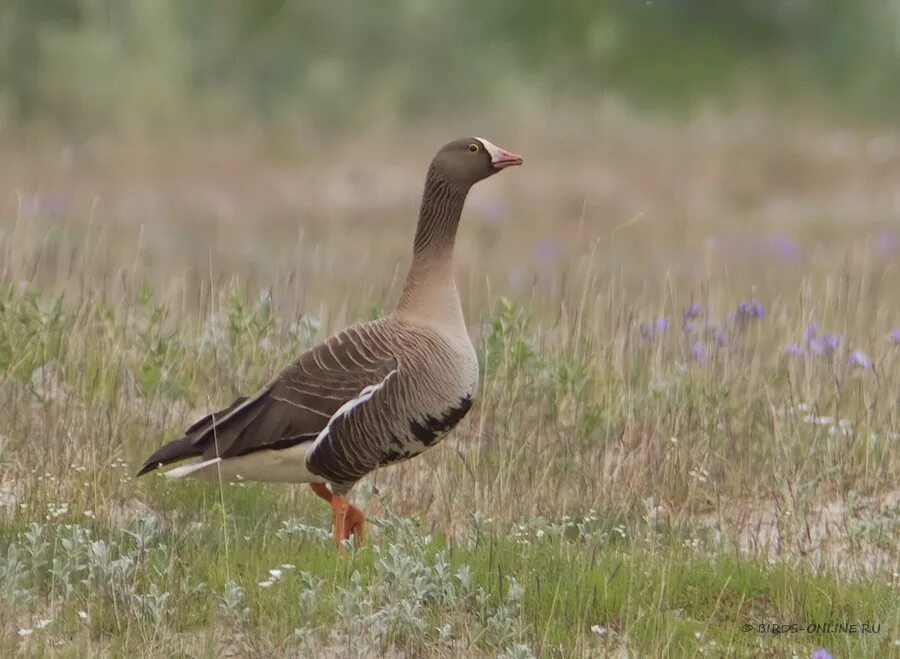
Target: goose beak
column 501, row 159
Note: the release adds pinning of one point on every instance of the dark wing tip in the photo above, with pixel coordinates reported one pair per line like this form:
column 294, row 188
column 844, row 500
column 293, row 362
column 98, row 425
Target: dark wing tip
column 179, row 449
column 148, row 467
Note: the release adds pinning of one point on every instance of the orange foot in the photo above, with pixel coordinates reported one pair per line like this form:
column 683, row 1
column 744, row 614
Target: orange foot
column 348, row 520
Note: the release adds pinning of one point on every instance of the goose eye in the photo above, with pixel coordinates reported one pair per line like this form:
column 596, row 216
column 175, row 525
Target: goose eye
column 473, row 148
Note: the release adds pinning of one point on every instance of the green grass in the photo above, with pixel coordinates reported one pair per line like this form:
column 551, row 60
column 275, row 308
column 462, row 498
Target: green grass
column 654, row 594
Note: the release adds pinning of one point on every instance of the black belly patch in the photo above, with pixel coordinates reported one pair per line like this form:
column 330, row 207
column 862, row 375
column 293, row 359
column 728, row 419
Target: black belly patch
column 393, row 456
column 431, row 428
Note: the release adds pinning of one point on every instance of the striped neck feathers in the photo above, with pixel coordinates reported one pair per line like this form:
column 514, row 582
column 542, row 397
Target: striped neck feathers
column 430, row 291
column 442, row 204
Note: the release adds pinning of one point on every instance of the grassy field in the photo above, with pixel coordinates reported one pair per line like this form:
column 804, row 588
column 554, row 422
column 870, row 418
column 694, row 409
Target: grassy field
column 688, row 423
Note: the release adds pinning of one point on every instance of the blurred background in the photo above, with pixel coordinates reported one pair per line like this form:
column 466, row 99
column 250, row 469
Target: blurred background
column 674, row 138
column 143, row 67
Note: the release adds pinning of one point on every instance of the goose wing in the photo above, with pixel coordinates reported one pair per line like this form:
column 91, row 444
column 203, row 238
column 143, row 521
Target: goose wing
column 294, row 407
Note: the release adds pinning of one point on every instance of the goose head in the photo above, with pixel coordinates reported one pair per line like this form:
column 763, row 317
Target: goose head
column 468, row 160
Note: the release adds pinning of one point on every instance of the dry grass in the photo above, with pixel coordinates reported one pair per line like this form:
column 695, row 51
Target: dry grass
column 160, row 254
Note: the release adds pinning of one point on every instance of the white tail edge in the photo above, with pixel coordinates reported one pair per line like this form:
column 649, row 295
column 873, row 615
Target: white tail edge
column 187, row 470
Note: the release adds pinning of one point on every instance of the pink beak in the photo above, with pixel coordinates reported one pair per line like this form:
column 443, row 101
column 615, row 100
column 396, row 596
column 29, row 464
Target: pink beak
column 501, row 159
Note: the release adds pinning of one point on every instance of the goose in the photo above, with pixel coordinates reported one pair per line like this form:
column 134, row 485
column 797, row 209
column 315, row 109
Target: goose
column 372, row 395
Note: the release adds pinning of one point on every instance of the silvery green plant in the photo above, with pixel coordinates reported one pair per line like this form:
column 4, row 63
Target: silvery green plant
column 153, row 604
column 466, row 582
column 144, row 533
column 311, row 594
column 516, row 651
column 304, row 531
column 72, row 558
column 363, row 627
column 505, row 625
column 477, row 529
column 233, row 604
column 14, row 577
column 36, row 550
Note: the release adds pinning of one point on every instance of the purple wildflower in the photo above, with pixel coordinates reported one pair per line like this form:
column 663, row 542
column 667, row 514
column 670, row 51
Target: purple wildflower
column 693, row 311
column 811, row 330
column 547, row 251
column 887, row 243
column 860, row 359
column 650, row 332
column 785, row 248
column 494, row 214
column 895, row 335
column 699, row 352
column 832, row 341
column 827, row 344
column 753, row 310
column 54, row 204
column 721, row 339
column 518, row 279
column 687, row 326
column 794, row 350
column 821, row 653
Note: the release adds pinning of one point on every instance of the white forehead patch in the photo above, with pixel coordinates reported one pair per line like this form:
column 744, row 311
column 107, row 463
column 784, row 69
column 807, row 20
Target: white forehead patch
column 493, row 150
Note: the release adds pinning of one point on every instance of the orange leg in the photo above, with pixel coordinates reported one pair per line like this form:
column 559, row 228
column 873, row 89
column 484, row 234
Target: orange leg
column 348, row 520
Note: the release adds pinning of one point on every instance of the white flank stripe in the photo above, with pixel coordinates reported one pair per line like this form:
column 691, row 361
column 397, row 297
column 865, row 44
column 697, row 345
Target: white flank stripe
column 363, row 396
column 187, row 470
column 491, row 148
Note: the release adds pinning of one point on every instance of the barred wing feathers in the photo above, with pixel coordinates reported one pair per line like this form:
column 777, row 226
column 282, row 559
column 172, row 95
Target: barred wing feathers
column 294, row 407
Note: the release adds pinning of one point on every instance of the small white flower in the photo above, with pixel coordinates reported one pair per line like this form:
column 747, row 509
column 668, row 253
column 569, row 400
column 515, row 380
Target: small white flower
column 515, row 591
column 698, row 635
column 599, row 631
column 276, row 574
column 42, row 623
column 266, row 584
column 89, row 514
column 287, row 566
column 61, row 510
column 25, row 632
column 83, row 615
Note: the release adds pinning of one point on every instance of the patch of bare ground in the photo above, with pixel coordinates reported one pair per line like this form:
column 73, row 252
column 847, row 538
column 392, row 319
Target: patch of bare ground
column 851, row 536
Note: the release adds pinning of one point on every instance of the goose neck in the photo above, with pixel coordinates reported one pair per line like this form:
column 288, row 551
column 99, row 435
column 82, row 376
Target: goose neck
column 430, row 290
